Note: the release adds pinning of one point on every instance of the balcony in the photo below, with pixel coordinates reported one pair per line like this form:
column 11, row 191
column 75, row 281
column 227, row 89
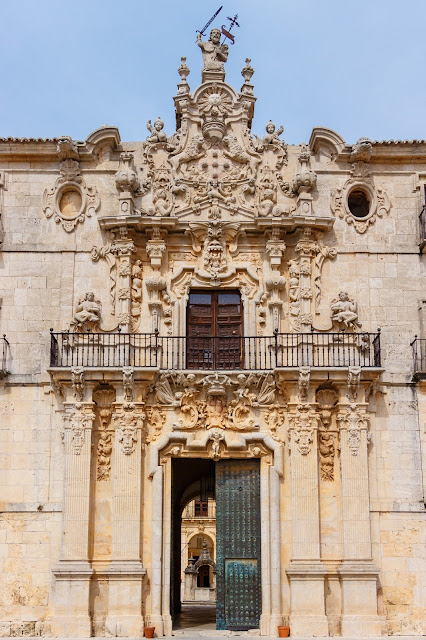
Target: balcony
column 419, row 358
column 5, row 352
column 191, row 511
column 260, row 353
column 422, row 225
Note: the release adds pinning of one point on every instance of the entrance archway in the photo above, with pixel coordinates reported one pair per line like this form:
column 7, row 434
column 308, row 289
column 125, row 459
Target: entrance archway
column 193, row 450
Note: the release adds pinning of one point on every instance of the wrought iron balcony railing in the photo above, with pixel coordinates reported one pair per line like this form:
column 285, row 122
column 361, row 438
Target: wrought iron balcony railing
column 419, row 357
column 190, row 512
column 3, row 364
column 422, row 225
column 215, row 353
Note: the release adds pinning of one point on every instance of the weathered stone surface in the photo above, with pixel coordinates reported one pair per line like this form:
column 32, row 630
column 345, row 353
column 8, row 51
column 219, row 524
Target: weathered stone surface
column 105, row 235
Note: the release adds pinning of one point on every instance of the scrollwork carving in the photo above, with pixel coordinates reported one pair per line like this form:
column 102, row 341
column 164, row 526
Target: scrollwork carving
column 70, row 200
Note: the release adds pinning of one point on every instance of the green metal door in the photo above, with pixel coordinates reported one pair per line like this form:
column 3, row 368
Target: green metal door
column 238, row 585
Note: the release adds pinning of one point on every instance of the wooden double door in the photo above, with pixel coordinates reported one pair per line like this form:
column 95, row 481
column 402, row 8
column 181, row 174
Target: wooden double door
column 214, row 330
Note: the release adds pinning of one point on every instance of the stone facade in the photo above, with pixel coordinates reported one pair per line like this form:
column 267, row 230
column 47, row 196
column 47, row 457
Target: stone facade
column 104, row 240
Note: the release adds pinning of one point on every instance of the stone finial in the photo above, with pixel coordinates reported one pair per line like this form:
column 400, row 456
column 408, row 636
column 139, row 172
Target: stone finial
column 247, row 71
column 305, row 179
column 126, row 178
column 183, row 70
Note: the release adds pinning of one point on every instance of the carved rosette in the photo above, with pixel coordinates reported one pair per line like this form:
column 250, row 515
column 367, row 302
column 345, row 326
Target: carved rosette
column 70, row 200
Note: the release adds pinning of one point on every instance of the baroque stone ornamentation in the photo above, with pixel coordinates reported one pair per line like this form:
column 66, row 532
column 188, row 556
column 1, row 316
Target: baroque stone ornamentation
column 78, row 421
column 156, row 418
column 104, row 451
column 354, row 379
column 326, row 448
column 327, row 398
column 344, row 312
column 219, row 400
column 303, row 424
column 303, row 383
column 78, row 383
column 70, row 200
column 377, row 202
column 88, row 313
column 353, row 421
column 128, row 421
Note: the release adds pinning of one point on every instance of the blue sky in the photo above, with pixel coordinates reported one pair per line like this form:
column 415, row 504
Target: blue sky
column 355, row 67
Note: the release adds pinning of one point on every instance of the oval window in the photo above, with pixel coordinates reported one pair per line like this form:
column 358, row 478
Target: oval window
column 359, row 203
column 70, row 203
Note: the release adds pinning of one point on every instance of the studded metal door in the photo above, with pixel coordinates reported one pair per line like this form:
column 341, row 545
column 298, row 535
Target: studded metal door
column 238, row 586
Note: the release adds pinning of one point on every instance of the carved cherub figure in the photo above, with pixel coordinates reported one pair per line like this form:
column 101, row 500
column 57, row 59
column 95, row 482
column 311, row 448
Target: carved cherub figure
column 214, row 53
column 88, row 311
column 344, row 311
column 157, row 133
column 271, row 136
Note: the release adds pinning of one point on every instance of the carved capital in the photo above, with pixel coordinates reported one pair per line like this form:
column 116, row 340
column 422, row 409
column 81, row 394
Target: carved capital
column 303, row 425
column 78, row 421
column 353, row 421
column 128, row 421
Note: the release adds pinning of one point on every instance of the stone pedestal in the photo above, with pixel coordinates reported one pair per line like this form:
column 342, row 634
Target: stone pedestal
column 125, row 600
column 307, row 616
column 72, row 590
column 359, row 600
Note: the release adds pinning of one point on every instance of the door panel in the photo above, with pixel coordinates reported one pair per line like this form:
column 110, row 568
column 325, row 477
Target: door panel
column 214, row 330
column 238, row 544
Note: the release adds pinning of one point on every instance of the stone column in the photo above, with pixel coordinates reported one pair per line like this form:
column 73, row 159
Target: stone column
column 358, row 573
column 265, row 507
column 306, row 572
column 155, row 619
column 126, row 570
column 276, row 611
column 73, row 572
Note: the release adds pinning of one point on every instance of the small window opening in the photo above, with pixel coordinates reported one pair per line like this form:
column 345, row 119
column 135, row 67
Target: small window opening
column 358, row 203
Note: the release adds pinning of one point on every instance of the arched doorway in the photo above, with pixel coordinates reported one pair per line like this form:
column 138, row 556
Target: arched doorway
column 235, row 484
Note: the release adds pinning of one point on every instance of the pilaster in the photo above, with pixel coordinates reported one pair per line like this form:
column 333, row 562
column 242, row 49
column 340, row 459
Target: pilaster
column 358, row 573
column 73, row 572
column 306, row 572
column 126, row 570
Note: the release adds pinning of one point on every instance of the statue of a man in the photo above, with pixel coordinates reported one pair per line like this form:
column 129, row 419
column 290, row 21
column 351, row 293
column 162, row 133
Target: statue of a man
column 214, row 53
column 88, row 310
column 344, row 311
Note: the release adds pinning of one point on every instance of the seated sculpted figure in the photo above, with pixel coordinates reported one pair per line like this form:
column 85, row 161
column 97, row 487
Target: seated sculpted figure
column 156, row 131
column 344, row 311
column 88, row 311
column 272, row 136
column 214, row 53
